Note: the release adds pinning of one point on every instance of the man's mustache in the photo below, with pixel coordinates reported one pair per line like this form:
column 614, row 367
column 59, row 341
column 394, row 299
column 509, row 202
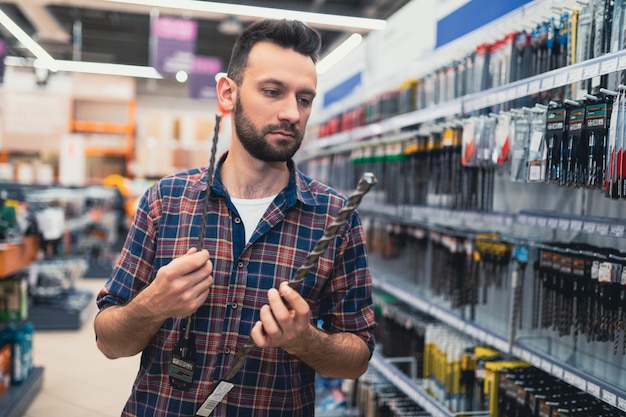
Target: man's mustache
column 285, row 126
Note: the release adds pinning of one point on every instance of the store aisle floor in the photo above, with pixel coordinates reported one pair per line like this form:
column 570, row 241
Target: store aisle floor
column 78, row 380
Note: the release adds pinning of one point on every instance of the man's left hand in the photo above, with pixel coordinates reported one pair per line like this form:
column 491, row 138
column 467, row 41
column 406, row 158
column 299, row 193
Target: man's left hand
column 283, row 321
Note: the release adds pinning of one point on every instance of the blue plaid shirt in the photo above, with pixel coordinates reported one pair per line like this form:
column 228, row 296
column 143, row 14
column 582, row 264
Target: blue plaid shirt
column 272, row 382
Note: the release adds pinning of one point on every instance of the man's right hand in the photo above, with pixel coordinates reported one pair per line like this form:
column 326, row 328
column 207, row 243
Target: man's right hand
column 181, row 286
column 178, row 290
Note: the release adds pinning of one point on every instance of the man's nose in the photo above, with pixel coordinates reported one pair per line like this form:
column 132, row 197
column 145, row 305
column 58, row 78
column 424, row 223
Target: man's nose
column 290, row 110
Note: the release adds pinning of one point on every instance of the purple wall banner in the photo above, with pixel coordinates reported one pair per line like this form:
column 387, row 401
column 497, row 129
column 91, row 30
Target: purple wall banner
column 173, row 44
column 202, row 77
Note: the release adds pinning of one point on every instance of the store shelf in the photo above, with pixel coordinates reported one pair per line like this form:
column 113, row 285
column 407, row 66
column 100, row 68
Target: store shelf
column 447, row 317
column 569, row 374
column 105, row 151
column 591, row 225
column 68, row 311
column 17, row 256
column 101, row 127
column 106, row 122
column 16, row 400
column 542, row 220
column 409, row 387
column 606, row 392
column 388, row 126
column 603, row 65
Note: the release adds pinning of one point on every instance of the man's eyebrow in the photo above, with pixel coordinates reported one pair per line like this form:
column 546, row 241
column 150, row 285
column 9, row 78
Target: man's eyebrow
column 308, row 91
column 280, row 83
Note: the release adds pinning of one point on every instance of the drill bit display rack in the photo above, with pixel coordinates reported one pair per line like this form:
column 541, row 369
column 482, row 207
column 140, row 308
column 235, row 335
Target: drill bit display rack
column 477, row 189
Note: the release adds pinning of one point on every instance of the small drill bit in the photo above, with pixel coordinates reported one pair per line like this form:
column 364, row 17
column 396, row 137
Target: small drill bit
column 209, row 181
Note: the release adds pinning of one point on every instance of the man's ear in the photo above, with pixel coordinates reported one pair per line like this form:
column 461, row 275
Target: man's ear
column 226, row 91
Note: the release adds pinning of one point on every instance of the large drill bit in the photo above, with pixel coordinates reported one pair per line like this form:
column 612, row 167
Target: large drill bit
column 367, row 181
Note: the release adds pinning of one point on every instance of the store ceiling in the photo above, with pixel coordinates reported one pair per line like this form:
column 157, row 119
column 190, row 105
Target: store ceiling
column 120, row 33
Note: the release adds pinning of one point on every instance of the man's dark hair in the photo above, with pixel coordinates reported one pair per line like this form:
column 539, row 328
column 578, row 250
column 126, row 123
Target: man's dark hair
column 290, row 34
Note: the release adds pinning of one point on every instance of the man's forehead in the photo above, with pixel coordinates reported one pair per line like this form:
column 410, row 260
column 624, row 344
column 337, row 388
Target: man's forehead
column 268, row 62
column 266, row 51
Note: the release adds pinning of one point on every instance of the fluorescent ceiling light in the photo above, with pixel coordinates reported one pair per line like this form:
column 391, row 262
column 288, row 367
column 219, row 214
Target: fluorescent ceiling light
column 45, row 58
column 109, row 69
column 88, row 67
column 318, row 19
column 339, row 53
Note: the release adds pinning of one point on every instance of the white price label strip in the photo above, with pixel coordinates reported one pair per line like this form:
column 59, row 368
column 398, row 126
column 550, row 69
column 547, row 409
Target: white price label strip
column 214, row 399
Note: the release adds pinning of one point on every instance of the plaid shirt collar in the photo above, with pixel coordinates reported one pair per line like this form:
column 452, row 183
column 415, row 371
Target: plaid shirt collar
column 297, row 189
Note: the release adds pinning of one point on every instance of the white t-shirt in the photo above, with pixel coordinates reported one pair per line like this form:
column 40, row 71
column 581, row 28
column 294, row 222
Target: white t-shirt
column 251, row 211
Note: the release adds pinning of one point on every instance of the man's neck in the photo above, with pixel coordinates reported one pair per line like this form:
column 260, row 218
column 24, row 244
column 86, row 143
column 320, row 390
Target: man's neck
column 251, row 178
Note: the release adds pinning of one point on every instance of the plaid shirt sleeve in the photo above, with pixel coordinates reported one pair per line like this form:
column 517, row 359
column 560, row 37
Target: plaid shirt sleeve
column 346, row 303
column 135, row 268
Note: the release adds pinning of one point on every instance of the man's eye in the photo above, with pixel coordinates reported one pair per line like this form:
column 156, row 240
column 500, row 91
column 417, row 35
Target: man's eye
column 271, row 93
column 305, row 101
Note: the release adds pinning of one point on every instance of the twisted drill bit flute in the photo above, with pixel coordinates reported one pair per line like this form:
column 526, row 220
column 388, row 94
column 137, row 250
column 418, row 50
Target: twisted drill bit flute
column 209, row 181
column 182, row 363
column 367, row 181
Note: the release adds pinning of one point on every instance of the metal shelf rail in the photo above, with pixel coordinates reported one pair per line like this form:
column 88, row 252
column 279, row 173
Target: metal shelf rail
column 15, row 401
column 410, row 387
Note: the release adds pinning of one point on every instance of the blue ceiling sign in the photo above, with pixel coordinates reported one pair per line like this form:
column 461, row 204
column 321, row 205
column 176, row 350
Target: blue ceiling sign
column 342, row 90
column 471, row 16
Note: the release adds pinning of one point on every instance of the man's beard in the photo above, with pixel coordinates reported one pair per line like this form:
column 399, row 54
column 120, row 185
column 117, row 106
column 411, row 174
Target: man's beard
column 255, row 143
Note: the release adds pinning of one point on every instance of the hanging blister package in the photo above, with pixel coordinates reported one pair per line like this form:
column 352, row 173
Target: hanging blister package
column 597, row 126
column 429, row 89
column 537, row 146
column 517, row 49
column 447, row 169
column 448, row 84
column 519, row 146
column 613, row 146
column 620, row 161
column 416, row 156
column 584, row 44
column 440, row 75
column 602, row 37
column 502, row 136
column 563, row 37
column 407, row 98
column 419, row 94
column 572, row 35
column 553, row 45
column 393, row 169
column 495, row 72
column 469, row 69
column 574, row 160
column 617, row 26
column 468, row 145
column 481, row 68
column 555, row 131
column 602, row 25
column 570, row 59
column 617, row 39
column 461, row 77
column 486, row 141
column 434, row 147
column 539, row 41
